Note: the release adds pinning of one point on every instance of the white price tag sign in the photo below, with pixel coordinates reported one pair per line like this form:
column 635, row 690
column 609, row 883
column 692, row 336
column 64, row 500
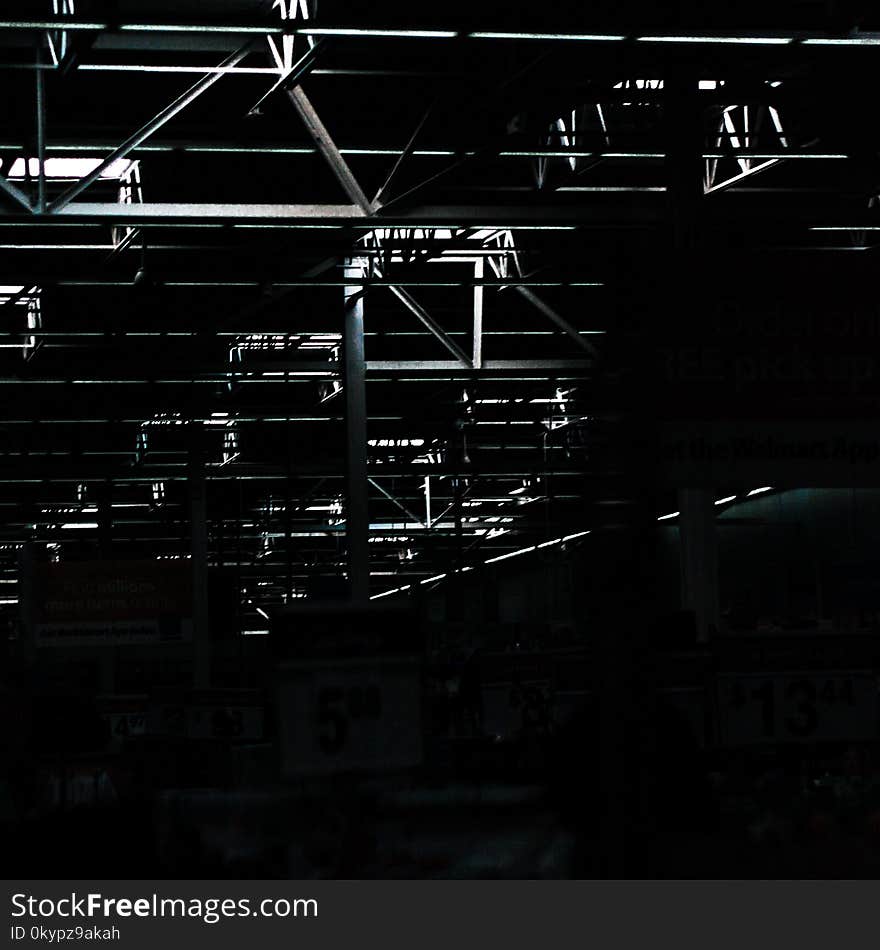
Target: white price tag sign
column 225, row 722
column 797, row 707
column 350, row 715
column 123, row 725
column 510, row 709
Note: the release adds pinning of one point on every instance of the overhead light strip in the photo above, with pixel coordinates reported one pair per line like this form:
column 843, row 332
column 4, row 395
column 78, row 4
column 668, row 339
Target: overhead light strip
column 276, row 29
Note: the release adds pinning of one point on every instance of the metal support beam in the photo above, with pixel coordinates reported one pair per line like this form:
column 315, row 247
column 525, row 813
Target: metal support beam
column 699, row 558
column 560, row 321
column 16, row 194
column 478, row 314
column 357, row 520
column 328, row 148
column 198, row 499
column 396, row 502
column 407, row 151
column 736, row 179
column 299, row 71
column 41, row 136
column 139, row 137
column 416, row 308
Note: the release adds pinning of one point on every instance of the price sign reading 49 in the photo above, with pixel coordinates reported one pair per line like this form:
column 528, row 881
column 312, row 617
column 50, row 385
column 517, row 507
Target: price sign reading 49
column 797, row 707
column 350, row 715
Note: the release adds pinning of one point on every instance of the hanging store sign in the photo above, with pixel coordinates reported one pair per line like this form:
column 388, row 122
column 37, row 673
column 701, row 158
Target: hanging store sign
column 349, row 689
column 764, row 371
column 834, row 706
column 350, row 715
column 746, row 453
column 115, row 603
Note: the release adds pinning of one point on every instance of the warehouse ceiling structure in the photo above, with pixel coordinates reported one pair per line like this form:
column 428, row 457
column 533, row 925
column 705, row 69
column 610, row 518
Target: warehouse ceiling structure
column 362, row 271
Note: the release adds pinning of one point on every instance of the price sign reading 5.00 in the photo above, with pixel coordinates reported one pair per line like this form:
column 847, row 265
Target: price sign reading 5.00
column 350, row 715
column 797, row 707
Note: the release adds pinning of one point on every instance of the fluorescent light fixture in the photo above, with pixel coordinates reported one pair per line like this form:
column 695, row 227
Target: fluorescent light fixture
column 73, row 168
column 145, row 68
column 80, row 524
column 758, row 491
column 503, row 557
column 491, row 560
column 672, row 514
column 723, row 501
column 52, row 25
column 746, row 40
column 354, row 31
column 190, row 28
column 871, row 39
column 255, row 633
column 588, row 37
column 395, row 590
column 547, row 153
column 262, row 612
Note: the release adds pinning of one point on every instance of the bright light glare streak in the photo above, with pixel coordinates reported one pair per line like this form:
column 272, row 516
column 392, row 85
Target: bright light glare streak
column 672, row 514
column 589, row 37
column 852, row 227
column 747, row 40
column 723, row 501
column 262, row 613
column 255, row 633
column 80, row 524
column 436, row 577
column 758, row 491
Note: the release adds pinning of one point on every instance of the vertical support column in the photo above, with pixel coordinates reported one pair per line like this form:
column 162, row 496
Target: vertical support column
column 357, row 524
column 198, row 501
column 41, row 133
column 478, row 315
column 104, row 502
column 699, row 558
column 26, row 562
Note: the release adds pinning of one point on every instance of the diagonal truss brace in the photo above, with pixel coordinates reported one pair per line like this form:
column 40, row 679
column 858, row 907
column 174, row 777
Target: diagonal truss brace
column 397, row 502
column 740, row 127
column 345, row 177
column 328, row 149
column 407, row 299
column 139, row 137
